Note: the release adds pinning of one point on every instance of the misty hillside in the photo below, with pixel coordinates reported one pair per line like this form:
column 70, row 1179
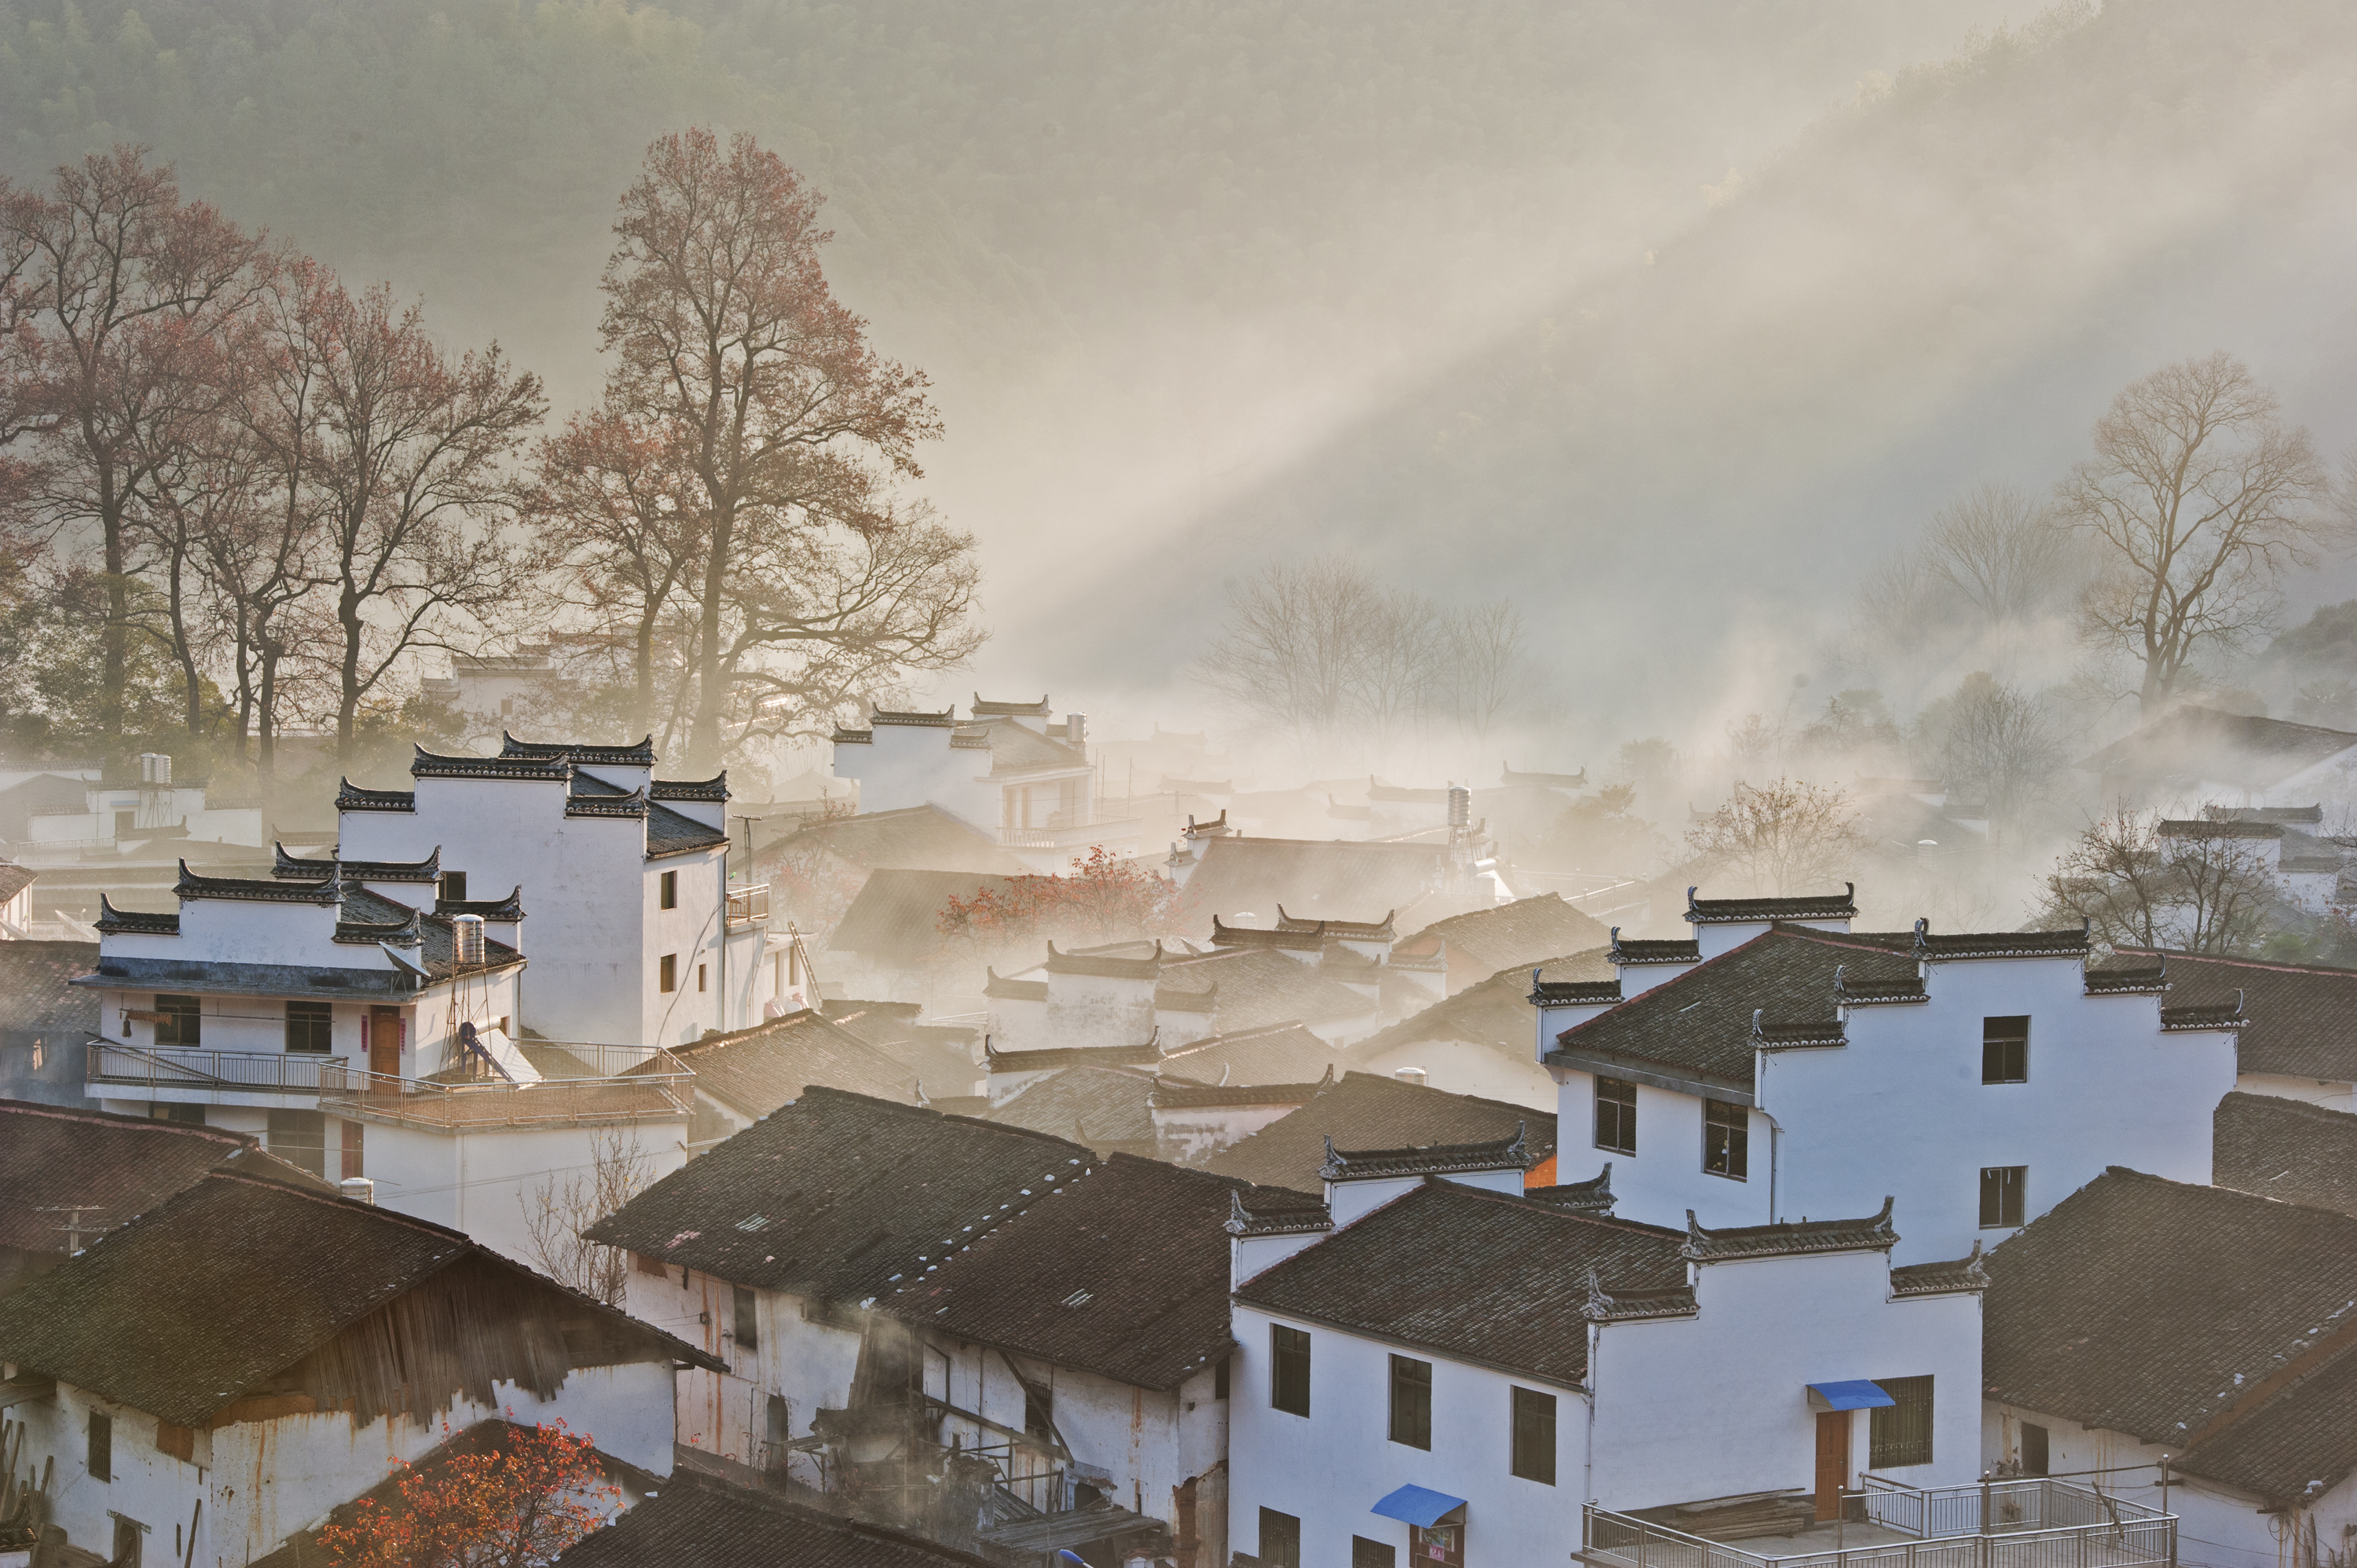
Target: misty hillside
column 1944, row 284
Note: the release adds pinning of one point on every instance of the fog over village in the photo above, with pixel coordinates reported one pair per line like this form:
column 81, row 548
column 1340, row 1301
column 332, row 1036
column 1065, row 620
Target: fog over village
column 1271, row 786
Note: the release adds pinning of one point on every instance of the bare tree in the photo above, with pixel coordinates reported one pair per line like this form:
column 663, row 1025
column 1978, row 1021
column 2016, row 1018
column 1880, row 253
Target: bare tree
column 2001, row 748
column 1999, row 553
column 1291, row 638
column 1489, row 657
column 2198, row 885
column 2198, row 499
column 1780, row 839
column 730, row 349
column 1752, row 743
column 557, row 1213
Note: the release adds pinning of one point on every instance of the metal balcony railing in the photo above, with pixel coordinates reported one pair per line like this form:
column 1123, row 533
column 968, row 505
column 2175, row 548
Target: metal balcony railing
column 171, row 1066
column 658, row 1089
column 2030, row 1523
column 1070, row 836
column 749, row 905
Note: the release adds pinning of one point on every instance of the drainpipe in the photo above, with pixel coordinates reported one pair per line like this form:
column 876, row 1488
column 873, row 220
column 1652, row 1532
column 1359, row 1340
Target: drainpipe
column 724, row 930
column 1587, row 1466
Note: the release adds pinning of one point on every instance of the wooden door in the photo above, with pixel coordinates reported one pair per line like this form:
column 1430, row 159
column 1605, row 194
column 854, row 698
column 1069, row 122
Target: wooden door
column 384, row 1041
column 1832, row 1461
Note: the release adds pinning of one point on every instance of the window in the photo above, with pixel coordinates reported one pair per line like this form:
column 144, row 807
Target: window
column 1280, row 1540
column 1039, row 1410
column 2001, row 1195
column 699, row 977
column 1900, row 1433
column 1220, row 1380
column 667, row 971
column 353, row 1139
column 670, row 889
column 300, row 1138
column 748, row 1321
column 1726, row 1140
column 1616, row 1115
column 2033, row 1449
column 1288, row 1370
column 937, row 1374
column 453, row 887
column 180, row 1021
column 1365, row 1553
column 178, row 1442
column 130, row 1543
column 1411, row 1401
column 101, row 1463
column 1534, row 1436
column 2005, row 1050
column 777, row 1422
column 186, row 1115
column 648, row 1263
column 310, row 1026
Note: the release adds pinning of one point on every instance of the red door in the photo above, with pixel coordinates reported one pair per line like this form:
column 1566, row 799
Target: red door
column 1832, row 1461
column 384, row 1041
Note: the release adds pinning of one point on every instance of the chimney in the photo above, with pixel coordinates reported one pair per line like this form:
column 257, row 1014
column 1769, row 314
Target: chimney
column 1076, row 729
column 359, row 1189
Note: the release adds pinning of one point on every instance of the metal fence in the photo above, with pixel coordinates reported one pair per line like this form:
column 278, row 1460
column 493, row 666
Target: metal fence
column 747, row 904
column 659, row 1093
column 169, row 1067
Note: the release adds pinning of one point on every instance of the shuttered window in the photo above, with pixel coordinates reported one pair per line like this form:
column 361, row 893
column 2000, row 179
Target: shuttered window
column 1534, row 1436
column 1411, row 1401
column 1288, row 1370
column 1616, row 1115
column 1900, row 1433
column 1280, row 1540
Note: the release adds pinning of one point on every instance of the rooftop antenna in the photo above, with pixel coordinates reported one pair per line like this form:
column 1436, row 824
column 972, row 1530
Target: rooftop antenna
column 73, row 1227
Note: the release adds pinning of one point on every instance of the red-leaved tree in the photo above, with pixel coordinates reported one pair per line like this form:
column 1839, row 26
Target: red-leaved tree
column 514, row 1506
column 1103, row 899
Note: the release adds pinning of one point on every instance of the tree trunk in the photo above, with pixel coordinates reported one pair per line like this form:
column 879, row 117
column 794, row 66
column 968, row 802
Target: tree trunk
column 704, row 740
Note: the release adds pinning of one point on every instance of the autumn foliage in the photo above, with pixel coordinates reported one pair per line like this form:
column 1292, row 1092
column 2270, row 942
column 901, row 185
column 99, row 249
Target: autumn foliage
column 1103, row 899
column 514, row 1505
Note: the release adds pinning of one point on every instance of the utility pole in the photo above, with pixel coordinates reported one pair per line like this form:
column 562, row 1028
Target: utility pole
column 73, row 1228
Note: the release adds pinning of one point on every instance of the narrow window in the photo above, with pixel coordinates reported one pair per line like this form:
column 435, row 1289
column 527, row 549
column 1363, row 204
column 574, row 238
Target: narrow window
column 1616, row 1115
column 102, row 1448
column 453, row 887
column 777, row 1420
column 937, row 1374
column 1220, row 1380
column 1039, row 1410
column 310, row 1026
column 2005, row 1050
column 1280, row 1540
column 300, row 1138
column 2033, row 1449
column 180, row 1021
column 667, row 971
column 670, row 889
column 2001, row 1195
column 1900, row 1433
column 353, row 1141
column 1726, row 1140
column 749, row 1322
column 1365, row 1553
column 1288, row 1370
column 1534, row 1436
column 1411, row 1401
column 699, row 977
column 130, row 1543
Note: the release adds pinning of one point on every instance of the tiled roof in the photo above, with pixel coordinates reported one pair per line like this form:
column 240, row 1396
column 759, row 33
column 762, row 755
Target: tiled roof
column 1646, row 950
column 1496, row 1012
column 1700, row 1023
column 2284, row 1149
column 840, row 1198
column 2196, row 743
column 675, row 833
column 52, row 1158
column 1314, row 877
column 204, row 1298
column 1104, row 1107
column 1593, row 1196
column 1124, row 1273
column 754, row 1071
column 1954, row 1276
column 713, row 789
column 34, row 996
column 916, row 838
column 941, row 1057
column 433, row 765
column 211, row 977
column 1934, row 947
column 1299, row 936
column 1144, row 1053
column 894, row 921
column 1790, row 1238
column 293, row 868
column 1108, row 966
column 1262, row 1218
column 639, row 755
column 1000, row 988
column 15, row 879
column 1366, row 1111
column 1840, row 906
column 887, row 717
column 2302, row 1018
column 1427, row 1159
column 1510, row 778
column 986, row 709
column 1014, row 749
column 1258, row 987
column 1276, row 1053
column 698, row 1522
column 1359, row 930
column 2183, row 1316
column 194, row 885
column 350, row 797
column 1183, row 1094
column 500, row 909
column 1477, row 1276
column 138, row 922
column 1520, row 934
column 368, row 917
column 2116, row 977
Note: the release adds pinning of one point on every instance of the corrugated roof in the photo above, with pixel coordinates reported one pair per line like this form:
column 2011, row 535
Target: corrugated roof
column 1366, row 1111
column 840, row 1196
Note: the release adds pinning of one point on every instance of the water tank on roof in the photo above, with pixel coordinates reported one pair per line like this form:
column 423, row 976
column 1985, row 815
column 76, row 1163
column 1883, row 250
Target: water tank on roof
column 469, row 929
column 1460, row 806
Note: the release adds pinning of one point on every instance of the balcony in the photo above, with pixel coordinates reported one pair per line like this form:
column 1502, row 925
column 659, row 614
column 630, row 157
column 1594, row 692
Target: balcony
column 172, row 1067
column 748, row 905
column 656, row 1087
column 1061, row 833
column 2028, row 1523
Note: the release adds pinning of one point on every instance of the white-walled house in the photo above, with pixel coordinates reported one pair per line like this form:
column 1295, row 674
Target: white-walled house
column 2298, row 1039
column 219, row 1374
column 2193, row 757
column 1448, row 1369
column 1779, row 1065
column 2194, row 1347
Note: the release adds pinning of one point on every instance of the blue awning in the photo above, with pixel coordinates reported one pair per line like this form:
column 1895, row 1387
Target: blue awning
column 1419, row 1506
column 1859, row 1394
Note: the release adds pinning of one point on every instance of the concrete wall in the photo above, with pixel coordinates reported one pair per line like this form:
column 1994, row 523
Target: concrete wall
column 1462, row 1068
column 482, row 1181
column 1664, row 1177
column 811, row 1364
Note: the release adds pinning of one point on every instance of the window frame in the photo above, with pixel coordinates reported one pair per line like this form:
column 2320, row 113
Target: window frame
column 667, row 974
column 744, row 1316
column 2004, row 1189
column 318, row 1021
column 453, row 887
column 2005, row 1054
column 1525, row 1450
column 98, row 1453
column 294, row 1135
column 1899, row 1436
column 1726, row 1143
column 1368, row 1553
column 182, row 1013
column 1288, row 1369
column 1621, row 1096
column 667, row 890
column 1410, row 1404
column 2045, row 1444
column 1286, row 1533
